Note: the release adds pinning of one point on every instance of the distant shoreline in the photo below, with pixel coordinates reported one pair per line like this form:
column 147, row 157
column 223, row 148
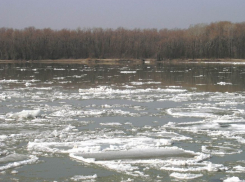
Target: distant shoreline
column 112, row 61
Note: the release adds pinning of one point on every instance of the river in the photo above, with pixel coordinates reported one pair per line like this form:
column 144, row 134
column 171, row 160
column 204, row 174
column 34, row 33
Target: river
column 122, row 122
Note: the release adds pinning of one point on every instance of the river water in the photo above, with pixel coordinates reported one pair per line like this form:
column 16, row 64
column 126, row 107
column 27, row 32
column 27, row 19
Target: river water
column 122, row 122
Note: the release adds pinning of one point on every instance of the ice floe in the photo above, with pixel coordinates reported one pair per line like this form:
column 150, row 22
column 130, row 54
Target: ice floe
column 143, row 83
column 127, row 72
column 122, row 154
column 220, row 150
column 224, row 83
column 24, row 114
column 186, row 176
column 100, row 145
column 16, row 160
column 110, row 124
column 233, row 179
column 9, row 81
column 82, row 178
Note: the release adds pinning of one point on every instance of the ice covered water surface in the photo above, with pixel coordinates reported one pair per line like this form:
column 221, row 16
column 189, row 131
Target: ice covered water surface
column 142, row 128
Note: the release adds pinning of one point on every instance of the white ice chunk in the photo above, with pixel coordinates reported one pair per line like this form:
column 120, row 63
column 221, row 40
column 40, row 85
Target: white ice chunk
column 233, row 179
column 185, row 175
column 239, row 169
column 127, row 72
column 203, row 112
column 111, row 124
column 13, row 158
column 224, row 83
column 3, row 137
column 137, row 154
column 27, row 84
column 25, row 114
column 9, row 81
column 142, row 83
column 81, row 178
column 16, row 160
column 220, row 150
column 60, row 69
column 100, row 145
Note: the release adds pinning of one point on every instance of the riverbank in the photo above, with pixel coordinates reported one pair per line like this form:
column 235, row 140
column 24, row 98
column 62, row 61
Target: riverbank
column 85, row 61
column 115, row 61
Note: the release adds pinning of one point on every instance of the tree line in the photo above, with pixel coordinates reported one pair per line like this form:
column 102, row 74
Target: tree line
column 207, row 41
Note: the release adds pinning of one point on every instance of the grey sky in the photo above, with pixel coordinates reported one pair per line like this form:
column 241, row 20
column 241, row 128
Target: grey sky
column 71, row 14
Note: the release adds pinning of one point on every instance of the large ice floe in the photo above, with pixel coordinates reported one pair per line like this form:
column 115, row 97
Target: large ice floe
column 127, row 154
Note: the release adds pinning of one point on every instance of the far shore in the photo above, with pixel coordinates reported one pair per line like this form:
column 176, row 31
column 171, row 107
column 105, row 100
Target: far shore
column 116, row 61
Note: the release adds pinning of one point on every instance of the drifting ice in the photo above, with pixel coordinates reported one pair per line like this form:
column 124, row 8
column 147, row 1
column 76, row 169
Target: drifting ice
column 25, row 114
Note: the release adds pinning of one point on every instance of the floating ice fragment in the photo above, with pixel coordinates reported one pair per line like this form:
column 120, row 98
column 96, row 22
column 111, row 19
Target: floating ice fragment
column 224, row 83
column 3, row 137
column 127, row 72
column 68, row 128
column 142, row 83
column 14, row 172
column 198, row 76
column 191, row 165
column 136, row 154
column 80, row 177
column 239, row 169
column 27, row 84
column 55, row 133
column 59, row 78
column 15, row 160
column 8, row 81
column 87, row 160
column 233, row 179
column 212, row 167
column 25, row 114
column 111, row 124
column 60, row 69
column 174, row 86
column 3, row 96
column 43, row 88
column 108, row 92
column 128, row 180
column 203, row 112
column 101, row 145
column 137, row 83
column 185, row 175
column 220, row 150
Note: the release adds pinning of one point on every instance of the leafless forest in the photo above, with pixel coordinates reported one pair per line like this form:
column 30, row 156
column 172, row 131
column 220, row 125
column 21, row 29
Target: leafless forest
column 212, row 41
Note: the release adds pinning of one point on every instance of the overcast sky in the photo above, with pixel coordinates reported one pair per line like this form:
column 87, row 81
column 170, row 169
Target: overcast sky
column 130, row 14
